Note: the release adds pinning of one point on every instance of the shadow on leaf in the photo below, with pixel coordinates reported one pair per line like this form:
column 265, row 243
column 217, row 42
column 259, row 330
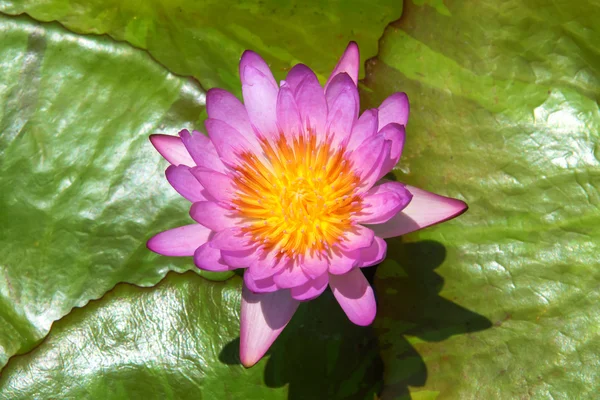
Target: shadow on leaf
column 322, row 355
column 409, row 304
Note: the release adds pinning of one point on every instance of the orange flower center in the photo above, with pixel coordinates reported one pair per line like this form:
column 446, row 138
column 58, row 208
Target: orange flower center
column 299, row 197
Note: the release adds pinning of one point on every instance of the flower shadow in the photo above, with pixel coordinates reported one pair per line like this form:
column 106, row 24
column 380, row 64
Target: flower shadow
column 410, row 305
column 322, row 355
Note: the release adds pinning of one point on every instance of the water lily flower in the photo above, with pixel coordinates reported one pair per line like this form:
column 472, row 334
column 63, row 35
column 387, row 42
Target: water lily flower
column 288, row 186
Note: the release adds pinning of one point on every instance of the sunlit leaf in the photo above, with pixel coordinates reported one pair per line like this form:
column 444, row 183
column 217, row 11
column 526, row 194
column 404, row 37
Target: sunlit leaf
column 206, row 38
column 178, row 340
column 81, row 188
column 504, row 114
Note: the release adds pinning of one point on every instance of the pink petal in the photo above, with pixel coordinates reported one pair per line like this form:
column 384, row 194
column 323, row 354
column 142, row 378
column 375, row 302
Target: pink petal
column 263, row 317
column 296, row 75
column 357, row 238
column 202, row 150
column 172, row 149
column 394, row 109
column 241, row 258
column 231, row 239
column 425, row 209
column 311, row 289
column 341, row 261
column 368, row 159
column 288, row 116
column 395, row 134
column 348, row 63
column 266, row 265
column 251, row 59
column 229, row 143
column 363, row 129
column 341, row 83
column 373, row 254
column 213, row 216
column 290, row 276
column 266, row 285
column 182, row 180
column 208, row 258
column 382, row 202
column 182, row 241
column 314, row 265
column 219, row 186
column 222, row 105
column 343, row 103
column 260, row 99
column 312, row 104
column 355, row 295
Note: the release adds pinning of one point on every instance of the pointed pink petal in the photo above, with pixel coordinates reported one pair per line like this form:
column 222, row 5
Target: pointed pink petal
column 213, row 216
column 228, row 142
column 365, row 128
column 266, row 265
column 355, row 295
column 182, row 241
column 288, row 116
column 341, row 261
column 260, row 99
column 395, row 134
column 222, row 105
column 172, row 149
column 217, row 185
column 348, row 63
column 315, row 265
column 343, row 103
column 202, row 150
column 373, row 254
column 394, row 109
column 341, row 83
column 263, row 317
column 425, row 209
column 241, row 258
column 357, row 238
column 310, row 289
column 368, row 159
column 382, row 202
column 312, row 104
column 266, row 285
column 230, row 239
column 296, row 75
column 182, row 180
column 290, row 276
column 251, row 59
column 340, row 119
column 208, row 258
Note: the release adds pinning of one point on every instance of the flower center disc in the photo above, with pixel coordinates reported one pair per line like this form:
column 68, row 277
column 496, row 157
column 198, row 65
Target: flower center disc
column 299, row 198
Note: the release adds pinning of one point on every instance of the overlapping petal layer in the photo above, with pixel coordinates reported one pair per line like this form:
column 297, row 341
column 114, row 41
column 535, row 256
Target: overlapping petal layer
column 287, row 186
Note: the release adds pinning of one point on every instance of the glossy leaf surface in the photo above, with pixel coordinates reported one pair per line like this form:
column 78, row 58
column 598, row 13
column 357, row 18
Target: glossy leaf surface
column 81, row 188
column 504, row 114
column 206, row 38
column 179, row 340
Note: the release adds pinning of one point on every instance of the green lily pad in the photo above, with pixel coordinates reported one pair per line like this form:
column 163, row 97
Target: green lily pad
column 504, row 99
column 178, row 341
column 206, row 38
column 81, row 188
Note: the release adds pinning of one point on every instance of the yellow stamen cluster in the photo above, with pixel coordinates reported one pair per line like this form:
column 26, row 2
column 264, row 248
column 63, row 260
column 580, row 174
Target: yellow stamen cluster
column 296, row 198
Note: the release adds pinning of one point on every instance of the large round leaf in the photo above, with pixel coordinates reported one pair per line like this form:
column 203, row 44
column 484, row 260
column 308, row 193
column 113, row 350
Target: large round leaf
column 504, row 100
column 206, row 38
column 81, row 188
column 178, row 341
